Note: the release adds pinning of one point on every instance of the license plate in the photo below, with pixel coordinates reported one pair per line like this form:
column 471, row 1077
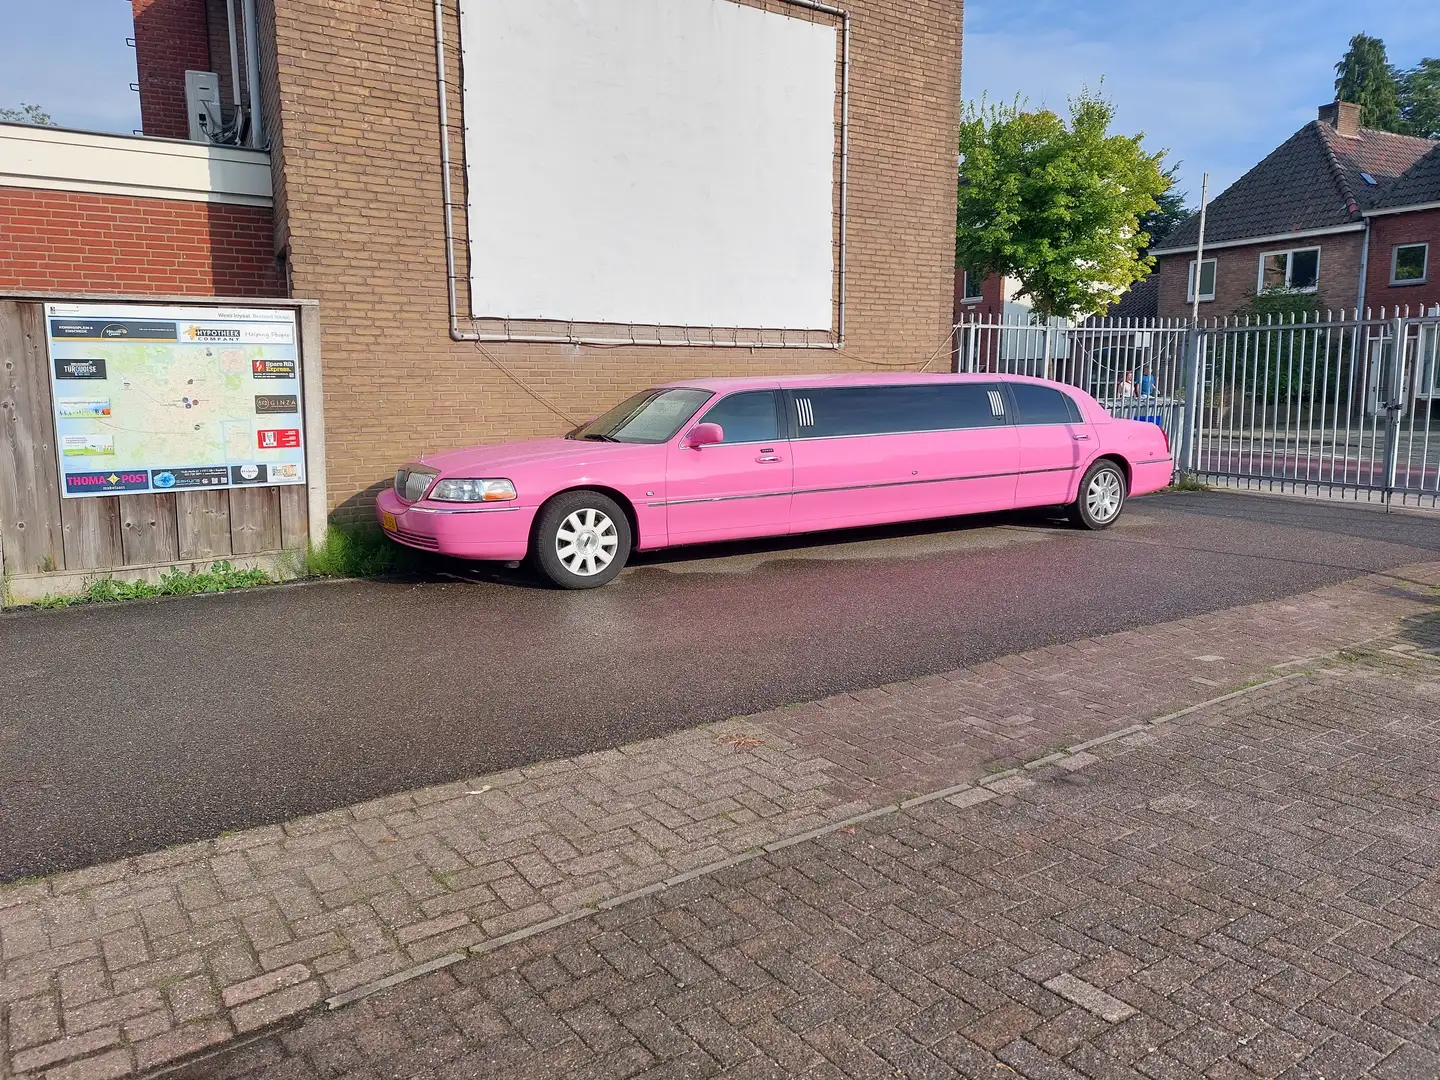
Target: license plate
column 387, row 519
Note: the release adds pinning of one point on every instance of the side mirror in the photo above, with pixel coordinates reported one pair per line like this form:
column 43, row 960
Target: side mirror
column 703, row 435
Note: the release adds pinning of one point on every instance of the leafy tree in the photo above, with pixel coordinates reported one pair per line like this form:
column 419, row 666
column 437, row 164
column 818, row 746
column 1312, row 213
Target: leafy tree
column 1364, row 76
column 27, row 114
column 1420, row 99
column 1170, row 210
column 1055, row 206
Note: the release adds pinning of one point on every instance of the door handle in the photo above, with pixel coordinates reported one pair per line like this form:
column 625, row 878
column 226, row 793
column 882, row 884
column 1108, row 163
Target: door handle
column 1081, row 437
column 768, row 455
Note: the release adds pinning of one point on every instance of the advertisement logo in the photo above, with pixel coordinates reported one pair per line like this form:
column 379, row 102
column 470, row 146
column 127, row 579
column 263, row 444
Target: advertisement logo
column 209, row 334
column 276, row 403
column 205, row 476
column 82, row 408
column 79, row 369
column 92, row 483
column 247, row 474
column 286, row 472
column 272, row 369
column 87, row 445
column 278, row 439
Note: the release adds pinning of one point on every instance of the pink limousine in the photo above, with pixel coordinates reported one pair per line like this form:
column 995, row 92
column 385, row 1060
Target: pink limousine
column 724, row 459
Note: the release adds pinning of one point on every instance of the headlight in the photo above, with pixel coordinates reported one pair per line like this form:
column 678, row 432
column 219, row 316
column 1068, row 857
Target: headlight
column 473, row 491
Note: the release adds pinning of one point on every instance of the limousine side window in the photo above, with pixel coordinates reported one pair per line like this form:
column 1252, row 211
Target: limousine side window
column 750, row 416
column 887, row 410
column 1036, row 404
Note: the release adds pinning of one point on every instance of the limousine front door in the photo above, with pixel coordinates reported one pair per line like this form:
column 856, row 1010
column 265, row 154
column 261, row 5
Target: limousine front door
column 737, row 488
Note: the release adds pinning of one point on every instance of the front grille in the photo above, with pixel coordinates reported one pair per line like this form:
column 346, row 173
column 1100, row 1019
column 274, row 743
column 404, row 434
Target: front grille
column 411, row 484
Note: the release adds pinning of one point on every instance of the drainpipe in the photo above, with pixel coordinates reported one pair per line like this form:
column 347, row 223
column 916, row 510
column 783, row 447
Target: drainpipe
column 1364, row 271
column 252, row 72
column 234, row 53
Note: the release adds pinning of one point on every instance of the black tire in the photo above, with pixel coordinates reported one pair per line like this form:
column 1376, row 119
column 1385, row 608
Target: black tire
column 598, row 527
column 1101, row 496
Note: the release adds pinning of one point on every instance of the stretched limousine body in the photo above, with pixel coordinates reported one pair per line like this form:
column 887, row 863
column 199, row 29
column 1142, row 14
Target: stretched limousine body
column 725, row 459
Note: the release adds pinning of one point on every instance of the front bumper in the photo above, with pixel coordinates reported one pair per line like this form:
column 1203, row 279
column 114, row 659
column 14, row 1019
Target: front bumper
column 500, row 533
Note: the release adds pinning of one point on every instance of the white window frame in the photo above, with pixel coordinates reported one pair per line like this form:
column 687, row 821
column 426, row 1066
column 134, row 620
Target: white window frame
column 1289, row 254
column 965, row 297
column 1190, row 281
column 1395, row 261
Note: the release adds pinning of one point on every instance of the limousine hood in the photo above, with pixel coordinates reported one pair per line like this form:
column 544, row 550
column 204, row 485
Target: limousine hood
column 483, row 462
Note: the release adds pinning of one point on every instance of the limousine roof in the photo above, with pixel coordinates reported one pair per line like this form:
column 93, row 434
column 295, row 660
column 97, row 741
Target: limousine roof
column 854, row 378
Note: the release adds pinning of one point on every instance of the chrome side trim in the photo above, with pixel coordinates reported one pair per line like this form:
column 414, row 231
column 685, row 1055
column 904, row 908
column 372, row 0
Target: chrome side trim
column 864, row 487
column 1157, row 461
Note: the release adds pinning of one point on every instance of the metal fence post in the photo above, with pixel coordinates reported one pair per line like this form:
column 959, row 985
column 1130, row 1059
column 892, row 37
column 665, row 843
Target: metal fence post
column 1394, row 406
column 1049, row 350
column 1190, row 413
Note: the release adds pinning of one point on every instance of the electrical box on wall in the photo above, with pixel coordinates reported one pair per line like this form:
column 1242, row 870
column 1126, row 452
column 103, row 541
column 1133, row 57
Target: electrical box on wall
column 202, row 105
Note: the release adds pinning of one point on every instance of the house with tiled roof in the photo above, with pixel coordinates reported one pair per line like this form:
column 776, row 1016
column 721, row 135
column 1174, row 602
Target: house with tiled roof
column 1339, row 211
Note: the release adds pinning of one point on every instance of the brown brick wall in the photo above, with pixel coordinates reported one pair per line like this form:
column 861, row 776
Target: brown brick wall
column 171, row 36
column 360, row 184
column 1418, row 227
column 82, row 242
column 1237, row 273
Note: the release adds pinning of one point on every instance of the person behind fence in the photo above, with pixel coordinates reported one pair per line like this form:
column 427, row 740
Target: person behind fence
column 1125, row 388
column 1147, row 382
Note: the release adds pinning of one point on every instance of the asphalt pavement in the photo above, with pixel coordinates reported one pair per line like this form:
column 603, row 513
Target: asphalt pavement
column 127, row 728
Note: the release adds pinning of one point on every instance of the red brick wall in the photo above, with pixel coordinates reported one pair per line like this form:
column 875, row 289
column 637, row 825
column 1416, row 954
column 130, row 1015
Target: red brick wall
column 1237, row 272
column 80, row 242
column 991, row 304
column 1419, row 227
column 171, row 36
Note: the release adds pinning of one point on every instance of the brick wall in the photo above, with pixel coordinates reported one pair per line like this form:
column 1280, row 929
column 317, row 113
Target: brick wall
column 991, row 304
column 171, row 36
column 360, row 183
column 81, row 242
column 1418, row 227
column 1237, row 273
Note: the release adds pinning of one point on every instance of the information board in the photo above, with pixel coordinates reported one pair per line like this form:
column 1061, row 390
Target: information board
column 159, row 399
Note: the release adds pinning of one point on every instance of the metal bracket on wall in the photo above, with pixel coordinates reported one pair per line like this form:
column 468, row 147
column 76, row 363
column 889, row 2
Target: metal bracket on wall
column 763, row 340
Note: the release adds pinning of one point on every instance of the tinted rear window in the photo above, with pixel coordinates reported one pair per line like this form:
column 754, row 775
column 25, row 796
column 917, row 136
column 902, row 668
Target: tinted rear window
column 886, row 410
column 1043, row 405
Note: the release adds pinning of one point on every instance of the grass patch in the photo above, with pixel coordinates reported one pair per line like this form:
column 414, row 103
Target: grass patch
column 220, row 577
column 359, row 551
column 1188, row 482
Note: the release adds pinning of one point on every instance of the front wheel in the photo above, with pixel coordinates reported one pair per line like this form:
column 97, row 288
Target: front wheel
column 582, row 540
column 1101, row 497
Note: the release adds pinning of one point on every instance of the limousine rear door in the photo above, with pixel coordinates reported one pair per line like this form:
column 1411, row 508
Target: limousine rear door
column 736, row 488
column 872, row 454
column 1055, row 444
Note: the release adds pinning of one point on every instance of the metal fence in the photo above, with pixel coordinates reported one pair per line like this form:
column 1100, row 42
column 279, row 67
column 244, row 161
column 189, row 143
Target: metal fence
column 1340, row 406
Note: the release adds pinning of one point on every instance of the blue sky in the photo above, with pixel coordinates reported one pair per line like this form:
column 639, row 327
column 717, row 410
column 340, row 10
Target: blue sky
column 1219, row 83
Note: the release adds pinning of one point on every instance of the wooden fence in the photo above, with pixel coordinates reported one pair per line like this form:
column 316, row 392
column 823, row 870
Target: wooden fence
column 49, row 544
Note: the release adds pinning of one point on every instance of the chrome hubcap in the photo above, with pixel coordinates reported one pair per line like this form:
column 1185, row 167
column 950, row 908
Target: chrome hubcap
column 586, row 542
column 1104, row 496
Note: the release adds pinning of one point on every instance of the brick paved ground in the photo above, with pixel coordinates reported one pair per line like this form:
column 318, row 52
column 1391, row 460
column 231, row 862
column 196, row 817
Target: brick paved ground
column 134, row 964
column 1250, row 891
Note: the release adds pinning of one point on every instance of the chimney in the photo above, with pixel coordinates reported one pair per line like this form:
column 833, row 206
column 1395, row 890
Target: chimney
column 1343, row 116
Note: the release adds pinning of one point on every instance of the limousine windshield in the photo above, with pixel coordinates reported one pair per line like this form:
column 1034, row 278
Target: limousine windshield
column 651, row 416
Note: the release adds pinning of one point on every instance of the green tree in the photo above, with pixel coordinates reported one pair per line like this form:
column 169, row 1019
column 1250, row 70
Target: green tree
column 26, row 114
column 1364, row 76
column 1420, row 99
column 1055, row 206
column 1170, row 210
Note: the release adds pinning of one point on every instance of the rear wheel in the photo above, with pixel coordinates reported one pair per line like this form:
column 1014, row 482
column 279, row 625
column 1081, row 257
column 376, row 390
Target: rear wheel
column 582, row 540
column 1101, row 497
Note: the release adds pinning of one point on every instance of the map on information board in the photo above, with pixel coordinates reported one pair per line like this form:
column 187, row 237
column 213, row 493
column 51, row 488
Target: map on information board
column 159, row 399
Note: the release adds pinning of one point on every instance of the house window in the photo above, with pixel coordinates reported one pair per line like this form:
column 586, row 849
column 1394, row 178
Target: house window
column 974, row 288
column 1408, row 264
column 1295, row 271
column 1207, row 281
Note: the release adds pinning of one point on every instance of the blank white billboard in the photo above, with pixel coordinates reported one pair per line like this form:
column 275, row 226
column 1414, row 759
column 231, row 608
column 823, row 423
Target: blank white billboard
column 653, row 162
